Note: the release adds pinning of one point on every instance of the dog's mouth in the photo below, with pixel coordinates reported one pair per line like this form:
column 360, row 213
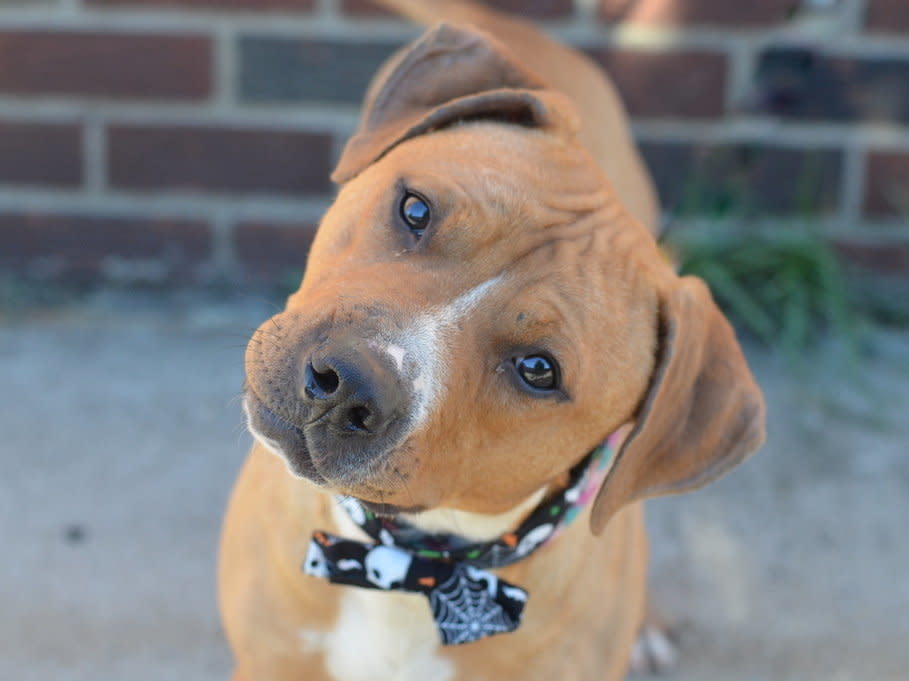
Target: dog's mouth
column 280, row 437
column 390, row 510
column 289, row 441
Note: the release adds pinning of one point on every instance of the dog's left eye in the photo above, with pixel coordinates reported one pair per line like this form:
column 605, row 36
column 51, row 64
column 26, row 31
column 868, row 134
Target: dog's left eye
column 537, row 371
column 415, row 213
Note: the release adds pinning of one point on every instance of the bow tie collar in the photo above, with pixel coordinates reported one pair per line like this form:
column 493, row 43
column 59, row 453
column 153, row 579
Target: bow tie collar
column 468, row 602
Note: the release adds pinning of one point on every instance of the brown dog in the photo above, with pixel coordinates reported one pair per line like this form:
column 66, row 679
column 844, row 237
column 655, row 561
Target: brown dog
column 483, row 305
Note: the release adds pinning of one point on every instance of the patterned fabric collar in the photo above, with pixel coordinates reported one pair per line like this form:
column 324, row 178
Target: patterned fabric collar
column 467, row 601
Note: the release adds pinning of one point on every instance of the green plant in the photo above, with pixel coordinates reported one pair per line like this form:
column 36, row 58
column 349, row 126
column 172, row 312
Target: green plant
column 783, row 287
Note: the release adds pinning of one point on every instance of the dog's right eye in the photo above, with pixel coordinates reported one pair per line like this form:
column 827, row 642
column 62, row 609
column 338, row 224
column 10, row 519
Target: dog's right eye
column 538, row 371
column 415, row 213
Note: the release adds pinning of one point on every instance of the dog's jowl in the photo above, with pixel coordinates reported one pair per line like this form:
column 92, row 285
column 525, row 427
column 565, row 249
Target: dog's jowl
column 486, row 369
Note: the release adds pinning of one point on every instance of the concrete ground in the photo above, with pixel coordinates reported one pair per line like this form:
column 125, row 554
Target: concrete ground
column 120, row 434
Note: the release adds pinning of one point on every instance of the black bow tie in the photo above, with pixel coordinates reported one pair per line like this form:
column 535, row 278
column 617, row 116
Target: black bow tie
column 467, row 603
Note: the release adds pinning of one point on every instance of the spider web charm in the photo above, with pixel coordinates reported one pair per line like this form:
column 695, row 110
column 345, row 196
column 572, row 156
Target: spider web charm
column 466, row 608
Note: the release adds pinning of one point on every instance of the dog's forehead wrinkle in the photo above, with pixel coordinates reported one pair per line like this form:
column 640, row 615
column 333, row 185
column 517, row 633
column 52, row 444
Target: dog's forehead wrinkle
column 498, row 196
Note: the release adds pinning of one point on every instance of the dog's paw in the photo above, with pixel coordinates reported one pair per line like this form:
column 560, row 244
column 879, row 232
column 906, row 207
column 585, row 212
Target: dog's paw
column 654, row 652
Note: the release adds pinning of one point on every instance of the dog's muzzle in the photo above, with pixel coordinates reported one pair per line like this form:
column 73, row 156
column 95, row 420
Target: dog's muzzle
column 341, row 418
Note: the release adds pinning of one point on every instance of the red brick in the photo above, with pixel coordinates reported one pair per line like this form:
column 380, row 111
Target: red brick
column 273, row 252
column 741, row 178
column 250, row 5
column 667, row 84
column 83, row 248
column 105, row 65
column 698, row 12
column 219, row 159
column 881, row 258
column 40, row 154
column 364, row 8
column 538, row 9
column 887, row 16
column 887, row 185
column 271, row 67
column 809, row 84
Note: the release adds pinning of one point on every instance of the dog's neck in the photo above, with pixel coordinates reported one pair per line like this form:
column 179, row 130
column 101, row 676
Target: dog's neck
column 486, row 540
column 482, row 527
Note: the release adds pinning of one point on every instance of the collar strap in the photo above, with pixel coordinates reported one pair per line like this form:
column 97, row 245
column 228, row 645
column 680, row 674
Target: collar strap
column 468, row 602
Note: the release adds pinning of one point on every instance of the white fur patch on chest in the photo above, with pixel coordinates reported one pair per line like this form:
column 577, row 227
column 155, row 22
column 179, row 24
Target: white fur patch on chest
column 383, row 636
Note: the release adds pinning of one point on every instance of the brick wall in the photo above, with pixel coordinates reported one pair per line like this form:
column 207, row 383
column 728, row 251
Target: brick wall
column 191, row 140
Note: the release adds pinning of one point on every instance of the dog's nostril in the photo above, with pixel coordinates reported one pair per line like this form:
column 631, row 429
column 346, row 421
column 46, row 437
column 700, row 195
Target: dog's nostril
column 321, row 384
column 357, row 417
column 327, row 380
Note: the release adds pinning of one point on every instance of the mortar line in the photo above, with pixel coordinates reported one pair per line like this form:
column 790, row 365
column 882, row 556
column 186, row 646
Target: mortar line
column 770, row 131
column 328, row 9
column 94, row 149
column 853, row 183
column 740, row 61
column 290, row 116
column 223, row 261
column 225, row 67
column 855, row 12
column 14, row 198
column 70, row 6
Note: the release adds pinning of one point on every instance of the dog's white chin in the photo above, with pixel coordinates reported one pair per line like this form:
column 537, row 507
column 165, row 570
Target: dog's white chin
column 271, row 445
column 477, row 527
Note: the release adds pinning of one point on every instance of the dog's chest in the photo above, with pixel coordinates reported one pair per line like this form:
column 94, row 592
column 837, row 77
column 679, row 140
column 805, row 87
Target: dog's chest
column 383, row 636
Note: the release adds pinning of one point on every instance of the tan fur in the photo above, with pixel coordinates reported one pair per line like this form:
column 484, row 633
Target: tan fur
column 544, row 236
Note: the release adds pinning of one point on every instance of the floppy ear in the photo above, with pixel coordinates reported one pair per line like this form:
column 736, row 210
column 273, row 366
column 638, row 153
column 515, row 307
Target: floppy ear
column 450, row 74
column 703, row 412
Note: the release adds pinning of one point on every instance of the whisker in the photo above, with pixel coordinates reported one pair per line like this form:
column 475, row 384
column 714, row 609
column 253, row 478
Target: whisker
column 241, row 431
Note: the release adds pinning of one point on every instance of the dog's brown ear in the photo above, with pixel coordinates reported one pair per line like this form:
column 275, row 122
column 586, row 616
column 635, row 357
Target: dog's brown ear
column 450, row 74
column 703, row 412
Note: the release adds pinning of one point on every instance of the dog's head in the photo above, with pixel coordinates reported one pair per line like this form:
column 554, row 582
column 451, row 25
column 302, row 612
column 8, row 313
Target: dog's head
column 479, row 311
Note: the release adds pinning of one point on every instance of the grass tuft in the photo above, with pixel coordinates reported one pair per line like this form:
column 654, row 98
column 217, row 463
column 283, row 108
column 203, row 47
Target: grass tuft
column 786, row 288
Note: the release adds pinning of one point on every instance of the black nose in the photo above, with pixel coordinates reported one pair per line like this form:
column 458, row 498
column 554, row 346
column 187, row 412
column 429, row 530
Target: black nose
column 350, row 395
